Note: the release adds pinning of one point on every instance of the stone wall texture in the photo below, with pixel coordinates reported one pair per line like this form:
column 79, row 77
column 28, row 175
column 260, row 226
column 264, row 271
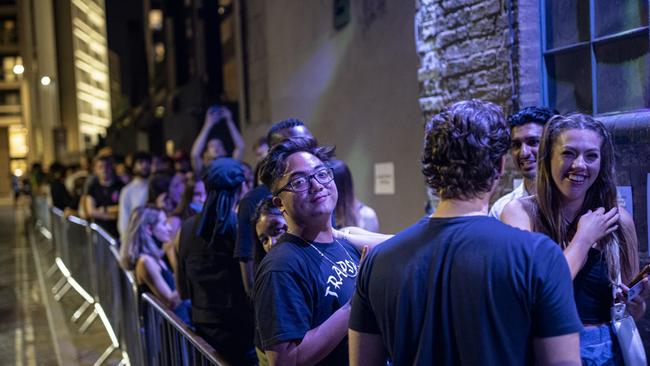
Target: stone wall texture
column 465, row 52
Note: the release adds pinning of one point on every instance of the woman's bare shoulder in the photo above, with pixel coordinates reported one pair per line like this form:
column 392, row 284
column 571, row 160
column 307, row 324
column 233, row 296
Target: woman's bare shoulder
column 515, row 213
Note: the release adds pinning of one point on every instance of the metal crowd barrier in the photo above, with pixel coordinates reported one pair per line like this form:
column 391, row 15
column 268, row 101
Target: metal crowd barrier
column 170, row 341
column 41, row 213
column 144, row 330
column 131, row 334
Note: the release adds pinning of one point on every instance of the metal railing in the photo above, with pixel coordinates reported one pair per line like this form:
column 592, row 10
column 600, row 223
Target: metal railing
column 170, row 341
column 144, row 330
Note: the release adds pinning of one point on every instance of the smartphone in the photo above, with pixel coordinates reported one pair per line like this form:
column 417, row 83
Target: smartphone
column 645, row 271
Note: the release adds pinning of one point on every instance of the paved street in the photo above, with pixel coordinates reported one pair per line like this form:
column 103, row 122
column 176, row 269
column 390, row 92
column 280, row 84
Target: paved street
column 34, row 328
column 25, row 337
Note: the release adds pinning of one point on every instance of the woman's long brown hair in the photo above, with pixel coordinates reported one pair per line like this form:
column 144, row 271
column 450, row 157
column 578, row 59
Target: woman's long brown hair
column 602, row 193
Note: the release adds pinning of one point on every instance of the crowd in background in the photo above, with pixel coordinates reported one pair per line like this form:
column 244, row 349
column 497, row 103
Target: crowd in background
column 199, row 261
column 262, row 262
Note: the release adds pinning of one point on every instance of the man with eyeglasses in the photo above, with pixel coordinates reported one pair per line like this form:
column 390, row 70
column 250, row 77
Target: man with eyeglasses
column 303, row 286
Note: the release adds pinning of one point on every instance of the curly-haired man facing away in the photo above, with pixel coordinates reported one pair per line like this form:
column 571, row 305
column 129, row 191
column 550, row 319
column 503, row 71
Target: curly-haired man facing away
column 459, row 287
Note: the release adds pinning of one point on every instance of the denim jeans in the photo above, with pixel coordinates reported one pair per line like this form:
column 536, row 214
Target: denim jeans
column 599, row 347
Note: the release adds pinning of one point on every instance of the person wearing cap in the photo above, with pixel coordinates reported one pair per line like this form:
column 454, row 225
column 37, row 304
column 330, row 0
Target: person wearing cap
column 209, row 275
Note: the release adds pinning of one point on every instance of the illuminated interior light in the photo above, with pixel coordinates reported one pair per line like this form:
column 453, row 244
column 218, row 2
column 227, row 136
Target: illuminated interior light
column 98, row 64
column 18, row 69
column 98, row 76
column 92, row 33
column 46, row 80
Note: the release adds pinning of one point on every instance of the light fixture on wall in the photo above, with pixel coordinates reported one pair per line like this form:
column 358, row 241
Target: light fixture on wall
column 18, row 69
column 46, row 80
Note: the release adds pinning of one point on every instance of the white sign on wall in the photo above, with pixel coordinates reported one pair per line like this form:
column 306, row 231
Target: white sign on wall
column 624, row 198
column 385, row 178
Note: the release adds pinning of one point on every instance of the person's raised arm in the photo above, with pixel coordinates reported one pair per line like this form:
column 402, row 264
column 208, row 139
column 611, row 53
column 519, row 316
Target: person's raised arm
column 316, row 344
column 562, row 350
column 236, row 137
column 360, row 237
column 211, row 118
column 592, row 226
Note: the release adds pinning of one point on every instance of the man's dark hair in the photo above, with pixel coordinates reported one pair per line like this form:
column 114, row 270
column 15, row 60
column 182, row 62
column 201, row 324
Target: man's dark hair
column 463, row 146
column 265, row 207
column 538, row 115
column 158, row 184
column 273, row 137
column 56, row 170
column 274, row 164
column 105, row 158
column 142, row 155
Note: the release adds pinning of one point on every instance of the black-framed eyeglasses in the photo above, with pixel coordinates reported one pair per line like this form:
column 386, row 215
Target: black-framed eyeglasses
column 301, row 183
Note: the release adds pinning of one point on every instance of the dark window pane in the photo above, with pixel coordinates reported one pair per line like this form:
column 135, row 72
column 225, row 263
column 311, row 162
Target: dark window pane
column 617, row 16
column 569, row 80
column 567, row 22
column 622, row 73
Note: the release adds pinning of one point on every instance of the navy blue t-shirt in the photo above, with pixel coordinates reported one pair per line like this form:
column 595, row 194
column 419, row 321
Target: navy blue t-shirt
column 297, row 289
column 464, row 290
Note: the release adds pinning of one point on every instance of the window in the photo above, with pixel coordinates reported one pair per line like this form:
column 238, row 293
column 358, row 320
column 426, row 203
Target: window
column 596, row 55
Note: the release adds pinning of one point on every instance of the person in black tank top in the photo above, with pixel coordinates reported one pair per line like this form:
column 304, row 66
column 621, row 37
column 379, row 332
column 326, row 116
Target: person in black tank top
column 576, row 206
column 143, row 253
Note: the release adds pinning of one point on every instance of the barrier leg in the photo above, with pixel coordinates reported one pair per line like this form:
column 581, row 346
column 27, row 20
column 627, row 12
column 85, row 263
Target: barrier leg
column 82, row 309
column 51, row 271
column 63, row 291
column 57, row 287
column 105, row 355
column 89, row 320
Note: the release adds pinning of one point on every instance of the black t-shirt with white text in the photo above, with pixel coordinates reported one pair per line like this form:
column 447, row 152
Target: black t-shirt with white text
column 299, row 285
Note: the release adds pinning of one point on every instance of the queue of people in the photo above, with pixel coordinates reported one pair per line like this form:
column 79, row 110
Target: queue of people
column 283, row 265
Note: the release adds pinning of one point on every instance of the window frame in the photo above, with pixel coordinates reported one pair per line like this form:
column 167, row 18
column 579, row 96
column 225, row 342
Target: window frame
column 591, row 43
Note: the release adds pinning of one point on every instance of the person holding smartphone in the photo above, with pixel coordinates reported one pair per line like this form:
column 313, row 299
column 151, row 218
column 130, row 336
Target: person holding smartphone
column 576, row 206
column 204, row 150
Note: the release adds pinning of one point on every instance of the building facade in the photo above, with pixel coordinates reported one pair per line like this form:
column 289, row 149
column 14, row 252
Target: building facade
column 54, row 90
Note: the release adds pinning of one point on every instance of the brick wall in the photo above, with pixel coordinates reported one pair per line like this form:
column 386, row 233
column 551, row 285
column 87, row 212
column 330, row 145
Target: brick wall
column 464, row 52
column 464, row 49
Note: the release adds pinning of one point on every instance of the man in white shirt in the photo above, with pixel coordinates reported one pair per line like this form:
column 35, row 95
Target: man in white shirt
column 526, row 128
column 135, row 193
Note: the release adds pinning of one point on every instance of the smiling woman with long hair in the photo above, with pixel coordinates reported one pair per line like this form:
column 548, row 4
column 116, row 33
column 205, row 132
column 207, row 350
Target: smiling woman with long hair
column 576, row 206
